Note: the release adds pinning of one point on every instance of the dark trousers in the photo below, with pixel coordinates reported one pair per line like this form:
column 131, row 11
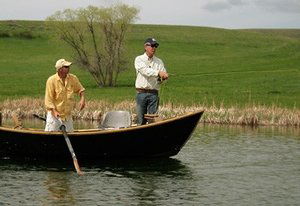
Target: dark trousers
column 146, row 103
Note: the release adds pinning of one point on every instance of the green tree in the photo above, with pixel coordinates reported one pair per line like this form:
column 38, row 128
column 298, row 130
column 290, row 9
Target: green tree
column 97, row 37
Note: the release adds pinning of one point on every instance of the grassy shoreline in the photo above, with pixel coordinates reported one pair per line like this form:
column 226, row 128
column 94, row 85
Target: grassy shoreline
column 252, row 115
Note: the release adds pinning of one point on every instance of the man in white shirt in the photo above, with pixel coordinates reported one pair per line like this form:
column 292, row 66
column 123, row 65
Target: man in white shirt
column 150, row 72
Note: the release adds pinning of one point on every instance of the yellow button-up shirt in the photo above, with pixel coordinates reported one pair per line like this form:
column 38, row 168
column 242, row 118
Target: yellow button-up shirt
column 60, row 96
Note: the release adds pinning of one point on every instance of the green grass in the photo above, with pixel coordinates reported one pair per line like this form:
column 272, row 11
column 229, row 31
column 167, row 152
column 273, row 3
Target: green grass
column 208, row 65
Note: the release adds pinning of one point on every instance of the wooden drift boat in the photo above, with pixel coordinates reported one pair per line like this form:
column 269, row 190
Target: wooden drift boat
column 160, row 139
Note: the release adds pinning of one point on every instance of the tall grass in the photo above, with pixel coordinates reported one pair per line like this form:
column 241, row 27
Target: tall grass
column 252, row 115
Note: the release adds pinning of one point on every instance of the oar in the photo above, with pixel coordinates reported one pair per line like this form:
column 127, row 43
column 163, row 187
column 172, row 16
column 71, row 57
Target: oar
column 76, row 165
column 63, row 129
column 39, row 117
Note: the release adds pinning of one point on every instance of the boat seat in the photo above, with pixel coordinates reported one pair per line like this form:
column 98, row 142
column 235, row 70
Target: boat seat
column 116, row 120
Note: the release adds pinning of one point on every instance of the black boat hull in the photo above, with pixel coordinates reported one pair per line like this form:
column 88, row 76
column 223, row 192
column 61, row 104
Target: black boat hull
column 161, row 139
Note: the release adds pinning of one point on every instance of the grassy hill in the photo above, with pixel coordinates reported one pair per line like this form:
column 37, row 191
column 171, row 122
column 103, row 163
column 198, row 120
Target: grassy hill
column 207, row 65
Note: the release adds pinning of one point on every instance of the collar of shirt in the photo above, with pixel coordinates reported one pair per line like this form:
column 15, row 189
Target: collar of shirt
column 146, row 58
column 57, row 78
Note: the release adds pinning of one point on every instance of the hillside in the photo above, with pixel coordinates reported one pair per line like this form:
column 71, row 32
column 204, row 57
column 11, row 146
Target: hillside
column 207, row 65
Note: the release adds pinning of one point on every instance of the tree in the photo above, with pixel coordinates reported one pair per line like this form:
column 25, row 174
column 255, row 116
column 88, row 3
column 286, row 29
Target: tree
column 97, row 37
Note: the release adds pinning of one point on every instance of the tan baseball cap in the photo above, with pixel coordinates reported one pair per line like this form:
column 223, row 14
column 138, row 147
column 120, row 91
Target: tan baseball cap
column 61, row 63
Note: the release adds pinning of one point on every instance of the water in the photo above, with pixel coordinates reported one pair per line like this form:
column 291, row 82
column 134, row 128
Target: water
column 220, row 165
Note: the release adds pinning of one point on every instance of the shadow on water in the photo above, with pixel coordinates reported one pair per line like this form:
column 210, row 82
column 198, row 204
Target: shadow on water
column 115, row 166
column 35, row 165
column 131, row 167
column 146, row 178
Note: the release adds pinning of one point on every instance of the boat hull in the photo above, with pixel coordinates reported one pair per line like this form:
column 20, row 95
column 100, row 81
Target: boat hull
column 161, row 139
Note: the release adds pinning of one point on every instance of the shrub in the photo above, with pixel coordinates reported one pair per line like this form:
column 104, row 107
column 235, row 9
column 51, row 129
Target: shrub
column 24, row 35
column 4, row 34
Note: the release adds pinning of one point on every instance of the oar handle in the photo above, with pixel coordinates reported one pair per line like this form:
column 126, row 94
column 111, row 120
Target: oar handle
column 39, row 117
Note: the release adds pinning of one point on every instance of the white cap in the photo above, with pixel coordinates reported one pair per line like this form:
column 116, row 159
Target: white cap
column 61, row 63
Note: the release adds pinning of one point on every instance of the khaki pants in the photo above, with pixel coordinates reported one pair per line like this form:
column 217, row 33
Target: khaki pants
column 53, row 124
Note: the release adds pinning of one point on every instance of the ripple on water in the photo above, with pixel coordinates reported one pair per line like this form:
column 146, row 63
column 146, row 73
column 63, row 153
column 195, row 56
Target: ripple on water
column 219, row 165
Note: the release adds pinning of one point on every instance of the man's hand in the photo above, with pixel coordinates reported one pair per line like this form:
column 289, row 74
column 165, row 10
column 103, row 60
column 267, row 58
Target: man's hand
column 163, row 75
column 55, row 113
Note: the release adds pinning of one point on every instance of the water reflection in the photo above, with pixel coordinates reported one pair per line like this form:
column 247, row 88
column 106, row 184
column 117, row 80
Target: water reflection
column 220, row 165
column 209, row 132
column 55, row 179
column 142, row 181
column 146, row 181
column 58, row 187
column 126, row 166
column 35, row 165
column 121, row 166
column 147, row 177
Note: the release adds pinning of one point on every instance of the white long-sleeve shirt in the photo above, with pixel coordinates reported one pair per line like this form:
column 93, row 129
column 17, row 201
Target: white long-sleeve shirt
column 147, row 71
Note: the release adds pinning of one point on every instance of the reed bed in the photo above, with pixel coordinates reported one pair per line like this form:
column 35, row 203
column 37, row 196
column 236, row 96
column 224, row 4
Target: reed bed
column 253, row 115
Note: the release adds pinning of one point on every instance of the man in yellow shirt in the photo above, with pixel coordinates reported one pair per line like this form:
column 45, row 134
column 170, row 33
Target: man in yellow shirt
column 59, row 97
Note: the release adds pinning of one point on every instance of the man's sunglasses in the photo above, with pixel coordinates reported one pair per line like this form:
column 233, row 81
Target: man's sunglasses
column 152, row 45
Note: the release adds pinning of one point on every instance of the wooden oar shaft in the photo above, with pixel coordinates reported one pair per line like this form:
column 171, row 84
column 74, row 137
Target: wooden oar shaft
column 76, row 165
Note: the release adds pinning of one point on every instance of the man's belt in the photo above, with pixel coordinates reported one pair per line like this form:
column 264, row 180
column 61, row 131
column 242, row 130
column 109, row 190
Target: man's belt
column 141, row 90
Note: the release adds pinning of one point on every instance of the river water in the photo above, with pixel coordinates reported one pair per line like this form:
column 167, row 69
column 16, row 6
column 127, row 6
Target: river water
column 220, row 165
